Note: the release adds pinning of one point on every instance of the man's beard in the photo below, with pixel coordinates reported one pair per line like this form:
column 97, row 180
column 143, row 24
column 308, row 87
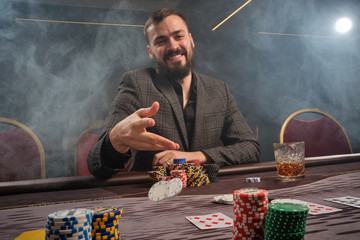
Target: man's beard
column 177, row 72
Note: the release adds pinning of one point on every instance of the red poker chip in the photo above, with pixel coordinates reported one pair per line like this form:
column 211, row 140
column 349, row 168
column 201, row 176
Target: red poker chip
column 246, row 211
column 247, row 231
column 196, row 162
column 246, row 208
column 253, row 218
column 245, row 200
column 251, row 194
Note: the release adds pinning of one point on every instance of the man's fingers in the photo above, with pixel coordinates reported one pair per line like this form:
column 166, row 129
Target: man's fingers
column 150, row 111
column 144, row 123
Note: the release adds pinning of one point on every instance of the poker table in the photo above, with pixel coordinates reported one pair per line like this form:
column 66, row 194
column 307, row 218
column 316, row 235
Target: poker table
column 25, row 205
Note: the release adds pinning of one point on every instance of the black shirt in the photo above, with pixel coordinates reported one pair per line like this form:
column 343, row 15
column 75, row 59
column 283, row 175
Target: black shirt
column 189, row 110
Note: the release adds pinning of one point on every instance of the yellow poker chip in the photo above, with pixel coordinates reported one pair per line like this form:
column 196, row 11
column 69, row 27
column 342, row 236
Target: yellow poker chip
column 101, row 212
column 106, row 219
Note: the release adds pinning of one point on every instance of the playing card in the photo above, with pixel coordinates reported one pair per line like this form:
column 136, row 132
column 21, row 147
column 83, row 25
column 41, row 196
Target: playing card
column 316, row 209
column 211, row 221
column 347, row 200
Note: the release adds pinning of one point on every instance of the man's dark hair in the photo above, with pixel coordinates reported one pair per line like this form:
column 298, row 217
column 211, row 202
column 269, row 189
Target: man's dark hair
column 158, row 16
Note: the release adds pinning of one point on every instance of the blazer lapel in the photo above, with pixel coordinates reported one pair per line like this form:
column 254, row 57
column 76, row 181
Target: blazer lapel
column 167, row 89
column 201, row 105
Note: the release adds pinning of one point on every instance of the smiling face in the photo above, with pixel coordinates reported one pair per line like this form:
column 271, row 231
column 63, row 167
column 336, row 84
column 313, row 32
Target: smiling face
column 171, row 46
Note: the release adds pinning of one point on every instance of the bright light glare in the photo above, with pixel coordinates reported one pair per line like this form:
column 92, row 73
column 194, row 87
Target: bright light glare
column 343, row 25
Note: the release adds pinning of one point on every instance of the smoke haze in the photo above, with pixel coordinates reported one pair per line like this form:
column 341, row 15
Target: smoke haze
column 60, row 78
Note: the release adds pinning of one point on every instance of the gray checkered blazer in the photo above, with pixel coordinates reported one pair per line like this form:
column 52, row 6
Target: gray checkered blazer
column 217, row 118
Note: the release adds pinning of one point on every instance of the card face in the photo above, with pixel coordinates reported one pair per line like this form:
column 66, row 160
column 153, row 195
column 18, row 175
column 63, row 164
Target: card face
column 316, row 209
column 211, row 221
column 347, row 200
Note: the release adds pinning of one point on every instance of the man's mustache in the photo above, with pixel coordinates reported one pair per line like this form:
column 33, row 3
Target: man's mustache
column 174, row 52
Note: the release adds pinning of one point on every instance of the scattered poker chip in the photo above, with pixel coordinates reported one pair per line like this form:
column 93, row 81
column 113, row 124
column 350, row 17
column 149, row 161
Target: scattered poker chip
column 224, row 199
column 174, row 187
column 158, row 191
column 253, row 179
column 288, row 200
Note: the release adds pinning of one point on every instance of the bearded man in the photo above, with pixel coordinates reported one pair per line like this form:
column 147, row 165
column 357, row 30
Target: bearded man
column 171, row 111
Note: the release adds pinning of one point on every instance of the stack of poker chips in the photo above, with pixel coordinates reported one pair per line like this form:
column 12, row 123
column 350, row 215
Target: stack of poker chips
column 212, row 171
column 181, row 175
column 250, row 209
column 69, row 224
column 158, row 174
column 105, row 223
column 286, row 221
column 178, row 164
column 195, row 176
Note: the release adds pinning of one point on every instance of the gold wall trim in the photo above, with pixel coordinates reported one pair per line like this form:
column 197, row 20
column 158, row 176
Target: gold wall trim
column 85, row 23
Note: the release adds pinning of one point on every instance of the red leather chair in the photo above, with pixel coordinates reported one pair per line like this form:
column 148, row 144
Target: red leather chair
column 84, row 144
column 22, row 155
column 322, row 135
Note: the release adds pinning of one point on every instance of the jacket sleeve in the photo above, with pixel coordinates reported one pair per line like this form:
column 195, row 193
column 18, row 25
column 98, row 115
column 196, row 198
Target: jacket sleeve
column 103, row 160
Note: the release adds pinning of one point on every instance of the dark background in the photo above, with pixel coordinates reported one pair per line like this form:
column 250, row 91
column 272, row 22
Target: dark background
column 60, row 78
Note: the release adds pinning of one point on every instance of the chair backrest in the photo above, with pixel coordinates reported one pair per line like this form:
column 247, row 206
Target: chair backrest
column 86, row 141
column 22, row 155
column 322, row 136
column 83, row 146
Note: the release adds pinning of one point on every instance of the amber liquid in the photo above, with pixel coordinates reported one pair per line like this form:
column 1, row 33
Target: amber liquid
column 290, row 169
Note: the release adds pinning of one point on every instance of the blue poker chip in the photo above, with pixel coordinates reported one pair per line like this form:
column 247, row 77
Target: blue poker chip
column 71, row 215
column 66, row 227
column 67, row 231
column 68, row 223
column 81, row 237
column 179, row 160
column 77, row 235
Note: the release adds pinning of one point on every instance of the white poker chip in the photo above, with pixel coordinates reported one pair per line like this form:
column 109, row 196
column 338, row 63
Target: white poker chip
column 174, row 187
column 288, row 200
column 158, row 191
column 224, row 199
column 78, row 214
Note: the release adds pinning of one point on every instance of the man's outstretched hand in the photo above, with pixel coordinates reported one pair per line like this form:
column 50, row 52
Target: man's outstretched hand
column 131, row 133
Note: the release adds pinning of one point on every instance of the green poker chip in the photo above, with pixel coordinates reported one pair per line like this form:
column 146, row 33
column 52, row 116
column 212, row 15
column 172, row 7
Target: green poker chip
column 286, row 220
column 288, row 208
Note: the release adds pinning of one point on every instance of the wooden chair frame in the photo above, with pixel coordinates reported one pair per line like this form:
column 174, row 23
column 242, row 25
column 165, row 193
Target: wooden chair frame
column 315, row 110
column 36, row 139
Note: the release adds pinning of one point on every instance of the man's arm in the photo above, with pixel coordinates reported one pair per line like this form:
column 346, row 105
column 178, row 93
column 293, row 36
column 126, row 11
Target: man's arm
column 124, row 129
